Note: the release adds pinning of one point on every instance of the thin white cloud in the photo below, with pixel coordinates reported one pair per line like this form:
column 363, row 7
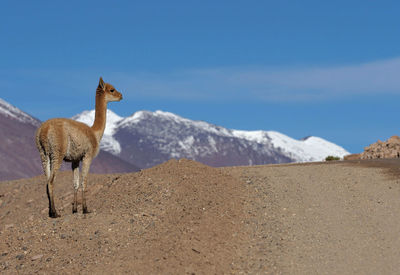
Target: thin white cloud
column 299, row 84
column 268, row 84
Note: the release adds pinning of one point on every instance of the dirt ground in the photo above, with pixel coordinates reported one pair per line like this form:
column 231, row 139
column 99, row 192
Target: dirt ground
column 182, row 217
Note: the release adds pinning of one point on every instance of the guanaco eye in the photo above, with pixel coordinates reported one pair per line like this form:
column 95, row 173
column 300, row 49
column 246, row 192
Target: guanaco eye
column 112, row 90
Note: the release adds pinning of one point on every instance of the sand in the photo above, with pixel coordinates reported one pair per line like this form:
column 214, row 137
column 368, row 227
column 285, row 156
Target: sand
column 183, row 217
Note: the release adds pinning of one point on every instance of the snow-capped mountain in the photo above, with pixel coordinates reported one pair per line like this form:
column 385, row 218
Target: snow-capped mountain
column 12, row 112
column 304, row 150
column 149, row 138
column 18, row 154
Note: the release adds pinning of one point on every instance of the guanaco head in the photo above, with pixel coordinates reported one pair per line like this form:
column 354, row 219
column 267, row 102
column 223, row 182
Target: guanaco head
column 109, row 92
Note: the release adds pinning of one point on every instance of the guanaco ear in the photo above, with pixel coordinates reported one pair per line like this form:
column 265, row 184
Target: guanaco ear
column 102, row 85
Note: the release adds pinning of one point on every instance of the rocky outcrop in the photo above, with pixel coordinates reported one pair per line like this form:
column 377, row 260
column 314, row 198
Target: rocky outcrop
column 383, row 149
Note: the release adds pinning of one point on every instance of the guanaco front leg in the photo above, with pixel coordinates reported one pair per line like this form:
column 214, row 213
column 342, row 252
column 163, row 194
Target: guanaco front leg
column 85, row 171
column 75, row 169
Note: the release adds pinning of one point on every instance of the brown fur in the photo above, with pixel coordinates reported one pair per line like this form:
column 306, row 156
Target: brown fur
column 66, row 139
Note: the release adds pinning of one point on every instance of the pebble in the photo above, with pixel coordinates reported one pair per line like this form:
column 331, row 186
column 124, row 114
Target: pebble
column 37, row 257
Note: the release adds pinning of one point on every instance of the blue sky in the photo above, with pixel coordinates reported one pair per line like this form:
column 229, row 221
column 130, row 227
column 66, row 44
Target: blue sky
column 323, row 68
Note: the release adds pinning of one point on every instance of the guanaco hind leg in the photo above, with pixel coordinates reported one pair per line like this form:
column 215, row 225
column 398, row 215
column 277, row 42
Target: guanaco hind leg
column 54, row 167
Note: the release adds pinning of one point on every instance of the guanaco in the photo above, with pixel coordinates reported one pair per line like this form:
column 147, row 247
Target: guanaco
column 61, row 139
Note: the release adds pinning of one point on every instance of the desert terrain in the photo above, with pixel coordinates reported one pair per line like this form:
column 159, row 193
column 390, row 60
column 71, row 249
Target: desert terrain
column 182, row 217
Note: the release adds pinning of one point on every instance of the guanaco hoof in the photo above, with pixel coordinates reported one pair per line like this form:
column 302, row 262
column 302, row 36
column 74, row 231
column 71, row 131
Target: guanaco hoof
column 54, row 215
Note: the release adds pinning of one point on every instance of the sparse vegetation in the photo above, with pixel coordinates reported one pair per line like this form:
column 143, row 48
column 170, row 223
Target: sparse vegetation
column 330, row 158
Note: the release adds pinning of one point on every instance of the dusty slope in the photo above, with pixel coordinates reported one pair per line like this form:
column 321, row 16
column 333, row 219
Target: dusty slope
column 184, row 217
column 180, row 217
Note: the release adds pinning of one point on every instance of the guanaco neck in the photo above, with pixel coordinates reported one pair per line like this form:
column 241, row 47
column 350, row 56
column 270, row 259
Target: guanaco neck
column 100, row 114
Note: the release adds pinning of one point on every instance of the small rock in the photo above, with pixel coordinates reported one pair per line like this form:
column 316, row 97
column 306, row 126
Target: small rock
column 20, row 256
column 195, row 250
column 37, row 257
column 7, row 226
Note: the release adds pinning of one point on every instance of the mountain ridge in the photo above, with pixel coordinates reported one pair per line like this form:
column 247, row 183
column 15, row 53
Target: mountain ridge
column 174, row 136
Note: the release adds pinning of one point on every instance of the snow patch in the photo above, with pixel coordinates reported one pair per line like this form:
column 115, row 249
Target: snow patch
column 187, row 143
column 108, row 142
column 256, row 136
column 212, row 143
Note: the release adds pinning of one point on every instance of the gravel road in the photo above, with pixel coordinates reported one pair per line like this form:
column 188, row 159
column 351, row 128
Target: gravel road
column 324, row 218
